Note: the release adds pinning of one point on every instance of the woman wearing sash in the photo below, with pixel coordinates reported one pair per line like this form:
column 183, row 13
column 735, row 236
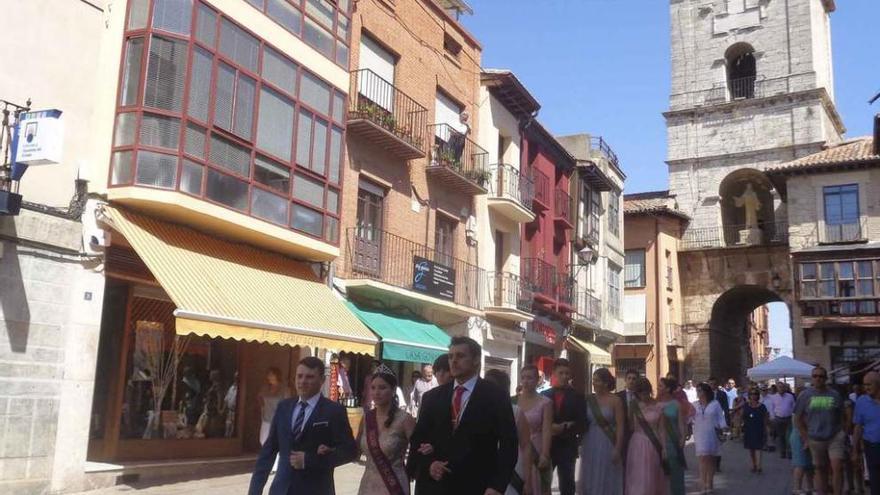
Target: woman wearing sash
column 646, row 457
column 675, row 431
column 533, row 474
column 384, row 437
column 602, row 445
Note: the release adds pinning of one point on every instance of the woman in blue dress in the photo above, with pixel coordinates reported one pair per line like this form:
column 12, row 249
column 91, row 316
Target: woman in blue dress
column 675, row 428
column 602, row 445
column 756, row 423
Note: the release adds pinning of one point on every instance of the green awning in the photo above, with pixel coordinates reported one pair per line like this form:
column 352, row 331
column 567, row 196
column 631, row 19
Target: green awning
column 404, row 339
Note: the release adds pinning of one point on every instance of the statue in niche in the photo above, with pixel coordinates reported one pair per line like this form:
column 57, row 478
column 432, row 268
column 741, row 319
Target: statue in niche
column 749, row 201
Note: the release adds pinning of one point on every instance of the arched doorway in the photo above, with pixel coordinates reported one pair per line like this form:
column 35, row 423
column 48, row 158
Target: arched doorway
column 742, row 71
column 741, row 191
column 734, row 340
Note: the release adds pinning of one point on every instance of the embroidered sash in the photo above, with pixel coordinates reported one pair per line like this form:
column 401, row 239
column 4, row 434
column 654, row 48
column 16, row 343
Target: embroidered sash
column 652, row 437
column 383, row 465
column 601, row 420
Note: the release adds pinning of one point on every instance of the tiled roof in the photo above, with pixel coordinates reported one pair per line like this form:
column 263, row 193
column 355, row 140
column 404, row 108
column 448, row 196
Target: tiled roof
column 654, row 202
column 853, row 151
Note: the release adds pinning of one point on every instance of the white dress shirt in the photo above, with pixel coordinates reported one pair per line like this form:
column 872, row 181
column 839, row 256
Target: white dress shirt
column 311, row 403
column 465, row 396
column 783, row 406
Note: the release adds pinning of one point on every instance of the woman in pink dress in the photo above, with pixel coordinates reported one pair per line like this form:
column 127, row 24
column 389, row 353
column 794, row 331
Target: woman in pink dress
column 645, row 472
column 533, row 467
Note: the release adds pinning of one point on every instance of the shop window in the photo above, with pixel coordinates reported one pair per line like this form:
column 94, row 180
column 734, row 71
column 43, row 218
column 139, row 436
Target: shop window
column 176, row 387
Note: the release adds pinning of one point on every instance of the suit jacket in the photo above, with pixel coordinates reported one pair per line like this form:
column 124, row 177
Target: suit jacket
column 327, row 425
column 627, row 423
column 573, row 408
column 481, row 451
column 721, row 397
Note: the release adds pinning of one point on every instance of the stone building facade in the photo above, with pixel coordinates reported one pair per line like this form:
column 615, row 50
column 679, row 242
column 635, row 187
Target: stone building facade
column 752, row 87
column 834, row 231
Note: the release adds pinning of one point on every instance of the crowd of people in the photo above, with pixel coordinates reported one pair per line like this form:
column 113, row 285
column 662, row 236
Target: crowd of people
column 457, row 433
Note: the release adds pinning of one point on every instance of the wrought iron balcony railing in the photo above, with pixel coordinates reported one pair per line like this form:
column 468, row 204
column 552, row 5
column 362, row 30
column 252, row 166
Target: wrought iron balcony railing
column 563, row 207
column 379, row 102
column 742, row 88
column 843, row 232
column 509, row 183
column 566, row 290
column 589, row 308
column 599, row 144
column 508, row 290
column 769, row 233
column 540, row 275
column 542, row 188
column 382, row 256
column 454, row 152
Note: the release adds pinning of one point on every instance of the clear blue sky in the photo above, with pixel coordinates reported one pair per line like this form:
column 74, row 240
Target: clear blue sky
column 602, row 66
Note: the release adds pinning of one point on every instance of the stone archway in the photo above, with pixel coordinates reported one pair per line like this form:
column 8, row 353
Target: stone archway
column 730, row 354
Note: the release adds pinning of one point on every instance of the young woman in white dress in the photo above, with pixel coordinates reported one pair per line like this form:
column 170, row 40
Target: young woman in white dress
column 708, row 421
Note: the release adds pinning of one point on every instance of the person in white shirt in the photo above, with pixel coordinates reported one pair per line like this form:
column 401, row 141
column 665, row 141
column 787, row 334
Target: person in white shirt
column 425, row 383
column 690, row 391
column 783, row 407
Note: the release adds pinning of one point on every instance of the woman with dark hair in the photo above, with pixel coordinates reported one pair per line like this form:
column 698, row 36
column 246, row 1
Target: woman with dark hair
column 675, row 434
column 602, row 445
column 755, row 427
column 646, row 468
column 708, row 422
column 383, row 437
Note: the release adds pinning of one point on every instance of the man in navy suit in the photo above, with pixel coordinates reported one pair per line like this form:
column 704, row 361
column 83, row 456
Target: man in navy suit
column 312, row 436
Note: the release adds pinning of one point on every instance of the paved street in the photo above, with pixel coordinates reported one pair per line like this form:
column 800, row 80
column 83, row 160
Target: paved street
column 735, row 478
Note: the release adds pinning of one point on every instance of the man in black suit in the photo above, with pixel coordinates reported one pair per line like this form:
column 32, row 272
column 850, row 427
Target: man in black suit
column 301, row 427
column 465, row 439
column 569, row 424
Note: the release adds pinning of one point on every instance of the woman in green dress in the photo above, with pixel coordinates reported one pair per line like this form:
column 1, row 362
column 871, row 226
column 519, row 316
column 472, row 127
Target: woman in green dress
column 675, row 428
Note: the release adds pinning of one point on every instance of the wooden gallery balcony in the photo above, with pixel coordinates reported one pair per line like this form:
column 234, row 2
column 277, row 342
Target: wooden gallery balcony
column 386, row 116
column 457, row 161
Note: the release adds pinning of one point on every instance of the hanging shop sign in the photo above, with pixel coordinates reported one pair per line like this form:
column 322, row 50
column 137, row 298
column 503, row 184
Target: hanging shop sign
column 433, row 278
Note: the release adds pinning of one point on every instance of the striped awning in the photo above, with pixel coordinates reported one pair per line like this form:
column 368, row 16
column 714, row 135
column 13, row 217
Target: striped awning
column 235, row 291
column 597, row 354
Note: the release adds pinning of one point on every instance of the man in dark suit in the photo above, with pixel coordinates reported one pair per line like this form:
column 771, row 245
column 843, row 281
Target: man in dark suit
column 312, row 436
column 569, row 424
column 465, row 440
column 626, row 395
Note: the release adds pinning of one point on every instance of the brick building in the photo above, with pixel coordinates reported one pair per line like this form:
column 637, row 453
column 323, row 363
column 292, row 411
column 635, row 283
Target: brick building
column 413, row 168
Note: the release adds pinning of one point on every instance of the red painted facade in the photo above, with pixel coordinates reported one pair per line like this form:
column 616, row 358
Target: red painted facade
column 546, row 250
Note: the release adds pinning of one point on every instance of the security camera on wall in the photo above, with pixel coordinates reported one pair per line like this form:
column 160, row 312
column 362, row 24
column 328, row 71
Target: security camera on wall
column 587, row 255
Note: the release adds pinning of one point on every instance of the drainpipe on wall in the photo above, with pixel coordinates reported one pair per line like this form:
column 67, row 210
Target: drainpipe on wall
column 658, row 345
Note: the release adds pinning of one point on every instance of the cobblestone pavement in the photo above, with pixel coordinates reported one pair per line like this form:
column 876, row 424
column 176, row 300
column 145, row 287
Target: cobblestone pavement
column 735, row 478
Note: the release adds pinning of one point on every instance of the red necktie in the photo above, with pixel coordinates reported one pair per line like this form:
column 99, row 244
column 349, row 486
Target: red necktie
column 456, row 404
column 558, row 397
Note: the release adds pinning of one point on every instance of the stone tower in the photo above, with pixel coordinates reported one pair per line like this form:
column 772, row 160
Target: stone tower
column 752, row 86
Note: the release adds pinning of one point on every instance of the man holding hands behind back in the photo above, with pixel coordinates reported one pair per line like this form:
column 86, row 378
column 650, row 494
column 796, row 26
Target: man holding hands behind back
column 312, row 435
